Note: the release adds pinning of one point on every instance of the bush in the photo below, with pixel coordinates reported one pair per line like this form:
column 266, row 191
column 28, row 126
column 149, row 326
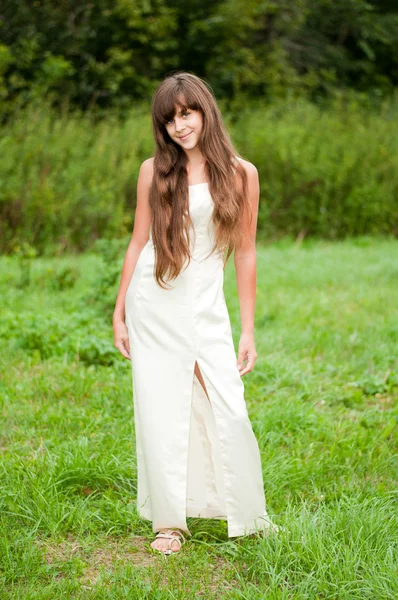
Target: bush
column 45, row 336
column 67, row 181
column 327, row 173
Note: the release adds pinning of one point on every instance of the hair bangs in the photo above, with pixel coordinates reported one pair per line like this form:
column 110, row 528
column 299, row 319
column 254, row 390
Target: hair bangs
column 174, row 97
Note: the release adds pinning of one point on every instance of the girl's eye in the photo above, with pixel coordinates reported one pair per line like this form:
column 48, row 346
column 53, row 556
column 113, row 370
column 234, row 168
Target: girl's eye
column 186, row 113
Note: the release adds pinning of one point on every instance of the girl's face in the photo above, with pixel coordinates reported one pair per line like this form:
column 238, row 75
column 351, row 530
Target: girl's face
column 185, row 127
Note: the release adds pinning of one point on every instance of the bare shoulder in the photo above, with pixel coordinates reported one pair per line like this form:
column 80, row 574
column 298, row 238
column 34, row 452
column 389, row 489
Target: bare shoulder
column 252, row 176
column 251, row 170
column 146, row 171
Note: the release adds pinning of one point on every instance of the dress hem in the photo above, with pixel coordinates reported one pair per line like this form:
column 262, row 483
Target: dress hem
column 234, row 531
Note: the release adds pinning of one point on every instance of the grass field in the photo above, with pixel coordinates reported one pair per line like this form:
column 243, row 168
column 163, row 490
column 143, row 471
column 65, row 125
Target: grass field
column 322, row 400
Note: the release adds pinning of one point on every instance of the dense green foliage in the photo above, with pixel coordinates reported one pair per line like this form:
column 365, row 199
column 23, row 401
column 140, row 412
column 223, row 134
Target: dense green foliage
column 68, row 180
column 109, row 52
column 323, row 401
column 76, row 78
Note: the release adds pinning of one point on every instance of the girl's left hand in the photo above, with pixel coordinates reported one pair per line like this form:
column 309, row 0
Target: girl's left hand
column 247, row 352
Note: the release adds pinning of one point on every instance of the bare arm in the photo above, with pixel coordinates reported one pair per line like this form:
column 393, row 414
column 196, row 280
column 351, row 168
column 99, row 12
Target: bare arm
column 140, row 236
column 246, row 275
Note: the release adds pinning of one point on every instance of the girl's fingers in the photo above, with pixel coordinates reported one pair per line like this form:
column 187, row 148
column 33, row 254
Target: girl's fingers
column 241, row 359
column 126, row 343
column 123, row 350
column 249, row 367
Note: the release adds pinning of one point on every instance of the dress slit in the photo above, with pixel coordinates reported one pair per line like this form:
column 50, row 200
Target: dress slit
column 204, row 388
column 205, row 472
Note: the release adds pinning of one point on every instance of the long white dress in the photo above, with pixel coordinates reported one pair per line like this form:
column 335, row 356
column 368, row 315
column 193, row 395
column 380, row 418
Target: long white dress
column 197, row 455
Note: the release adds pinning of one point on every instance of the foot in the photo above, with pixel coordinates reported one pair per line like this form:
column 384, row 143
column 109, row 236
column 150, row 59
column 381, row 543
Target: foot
column 167, row 544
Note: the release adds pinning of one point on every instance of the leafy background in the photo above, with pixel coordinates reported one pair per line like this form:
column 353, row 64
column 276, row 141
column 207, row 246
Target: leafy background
column 308, row 91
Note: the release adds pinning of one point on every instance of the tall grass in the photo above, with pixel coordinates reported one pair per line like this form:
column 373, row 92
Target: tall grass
column 325, row 172
column 67, row 180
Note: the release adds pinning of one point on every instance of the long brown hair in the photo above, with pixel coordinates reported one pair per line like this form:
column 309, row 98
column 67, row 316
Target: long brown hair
column 168, row 196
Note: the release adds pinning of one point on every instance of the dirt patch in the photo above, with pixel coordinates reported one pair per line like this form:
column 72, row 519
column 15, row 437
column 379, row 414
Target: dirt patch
column 383, row 401
column 109, row 553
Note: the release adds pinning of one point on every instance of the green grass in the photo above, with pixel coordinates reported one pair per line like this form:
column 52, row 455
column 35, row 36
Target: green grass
column 322, row 400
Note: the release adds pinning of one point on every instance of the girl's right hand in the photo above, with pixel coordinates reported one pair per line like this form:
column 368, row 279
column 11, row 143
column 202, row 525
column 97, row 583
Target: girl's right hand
column 121, row 338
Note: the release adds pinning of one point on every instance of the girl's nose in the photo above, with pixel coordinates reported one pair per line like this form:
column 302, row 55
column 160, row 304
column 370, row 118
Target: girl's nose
column 179, row 125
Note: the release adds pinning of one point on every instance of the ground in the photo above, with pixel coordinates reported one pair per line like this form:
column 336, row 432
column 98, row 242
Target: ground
column 322, row 400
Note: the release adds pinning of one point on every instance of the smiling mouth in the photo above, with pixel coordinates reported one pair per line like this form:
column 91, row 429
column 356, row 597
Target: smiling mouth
column 185, row 137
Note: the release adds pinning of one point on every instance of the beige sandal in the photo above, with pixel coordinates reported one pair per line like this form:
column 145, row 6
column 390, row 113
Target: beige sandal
column 170, row 535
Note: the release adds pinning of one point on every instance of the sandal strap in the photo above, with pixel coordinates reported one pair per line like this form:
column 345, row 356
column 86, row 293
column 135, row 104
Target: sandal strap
column 171, row 538
column 172, row 532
